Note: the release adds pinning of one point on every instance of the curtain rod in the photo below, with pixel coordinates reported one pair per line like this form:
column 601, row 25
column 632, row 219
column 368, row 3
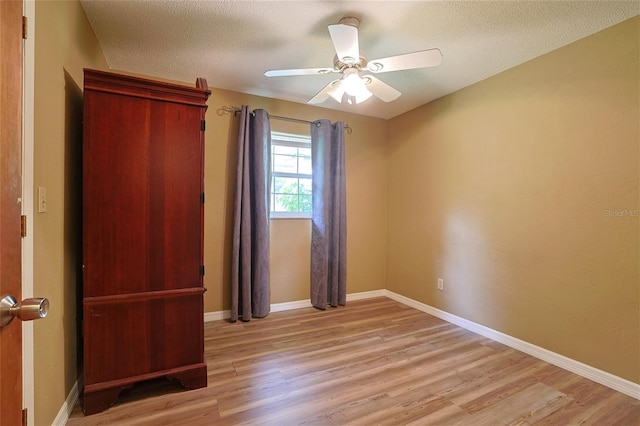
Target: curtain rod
column 234, row 110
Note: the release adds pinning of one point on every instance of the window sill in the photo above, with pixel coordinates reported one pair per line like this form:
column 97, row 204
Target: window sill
column 290, row 215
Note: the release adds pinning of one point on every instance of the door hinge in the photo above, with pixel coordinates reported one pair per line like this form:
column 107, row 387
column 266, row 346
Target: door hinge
column 24, row 417
column 202, row 198
column 24, row 28
column 23, row 226
column 203, row 125
column 202, row 270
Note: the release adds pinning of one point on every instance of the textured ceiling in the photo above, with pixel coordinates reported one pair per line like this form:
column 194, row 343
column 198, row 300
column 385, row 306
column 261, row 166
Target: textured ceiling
column 232, row 43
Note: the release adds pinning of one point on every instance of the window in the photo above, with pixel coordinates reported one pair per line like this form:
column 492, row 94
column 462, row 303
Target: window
column 290, row 175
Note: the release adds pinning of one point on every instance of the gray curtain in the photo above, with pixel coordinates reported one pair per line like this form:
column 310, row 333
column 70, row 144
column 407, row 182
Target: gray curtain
column 329, row 217
column 250, row 256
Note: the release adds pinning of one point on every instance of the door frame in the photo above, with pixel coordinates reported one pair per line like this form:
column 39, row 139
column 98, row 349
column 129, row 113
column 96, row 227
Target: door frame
column 28, row 133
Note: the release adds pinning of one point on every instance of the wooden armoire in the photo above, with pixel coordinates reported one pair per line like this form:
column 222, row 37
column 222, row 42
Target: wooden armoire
column 142, row 230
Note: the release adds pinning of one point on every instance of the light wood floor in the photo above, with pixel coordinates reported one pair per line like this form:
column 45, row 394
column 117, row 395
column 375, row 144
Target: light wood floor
column 373, row 362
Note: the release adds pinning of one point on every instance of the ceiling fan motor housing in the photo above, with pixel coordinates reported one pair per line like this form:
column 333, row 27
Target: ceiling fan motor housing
column 340, row 66
column 350, row 20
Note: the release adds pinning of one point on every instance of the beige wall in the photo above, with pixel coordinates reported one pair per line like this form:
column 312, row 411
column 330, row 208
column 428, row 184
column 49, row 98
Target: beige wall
column 64, row 44
column 521, row 192
column 290, row 239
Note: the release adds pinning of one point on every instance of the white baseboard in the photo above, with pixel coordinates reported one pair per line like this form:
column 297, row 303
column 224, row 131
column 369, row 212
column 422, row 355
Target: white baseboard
column 217, row 315
column 66, row 409
column 366, row 295
column 614, row 382
column 288, row 306
column 296, row 304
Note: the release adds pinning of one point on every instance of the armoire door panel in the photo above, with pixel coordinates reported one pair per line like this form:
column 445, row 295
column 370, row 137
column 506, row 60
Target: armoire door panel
column 116, row 207
column 176, row 189
column 116, row 334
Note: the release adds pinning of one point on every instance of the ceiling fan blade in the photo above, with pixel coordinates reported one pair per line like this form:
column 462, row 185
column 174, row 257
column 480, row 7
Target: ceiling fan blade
column 345, row 41
column 421, row 59
column 335, row 89
column 380, row 89
column 301, row 71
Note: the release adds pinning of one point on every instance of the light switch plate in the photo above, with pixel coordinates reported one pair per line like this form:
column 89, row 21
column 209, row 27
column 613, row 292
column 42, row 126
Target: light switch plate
column 42, row 199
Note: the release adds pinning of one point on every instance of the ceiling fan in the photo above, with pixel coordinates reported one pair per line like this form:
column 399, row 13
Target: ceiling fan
column 353, row 87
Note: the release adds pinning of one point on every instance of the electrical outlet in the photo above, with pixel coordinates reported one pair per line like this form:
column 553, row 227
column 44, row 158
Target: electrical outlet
column 440, row 284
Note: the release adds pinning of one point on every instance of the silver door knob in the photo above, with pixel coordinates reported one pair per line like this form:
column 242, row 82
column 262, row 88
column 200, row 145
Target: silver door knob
column 27, row 310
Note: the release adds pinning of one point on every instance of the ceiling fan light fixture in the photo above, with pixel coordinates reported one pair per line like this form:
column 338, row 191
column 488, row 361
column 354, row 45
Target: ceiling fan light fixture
column 354, row 87
column 356, row 99
column 336, row 91
column 360, row 97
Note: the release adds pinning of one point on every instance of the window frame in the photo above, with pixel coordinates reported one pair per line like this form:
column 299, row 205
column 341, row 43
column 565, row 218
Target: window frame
column 294, row 141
